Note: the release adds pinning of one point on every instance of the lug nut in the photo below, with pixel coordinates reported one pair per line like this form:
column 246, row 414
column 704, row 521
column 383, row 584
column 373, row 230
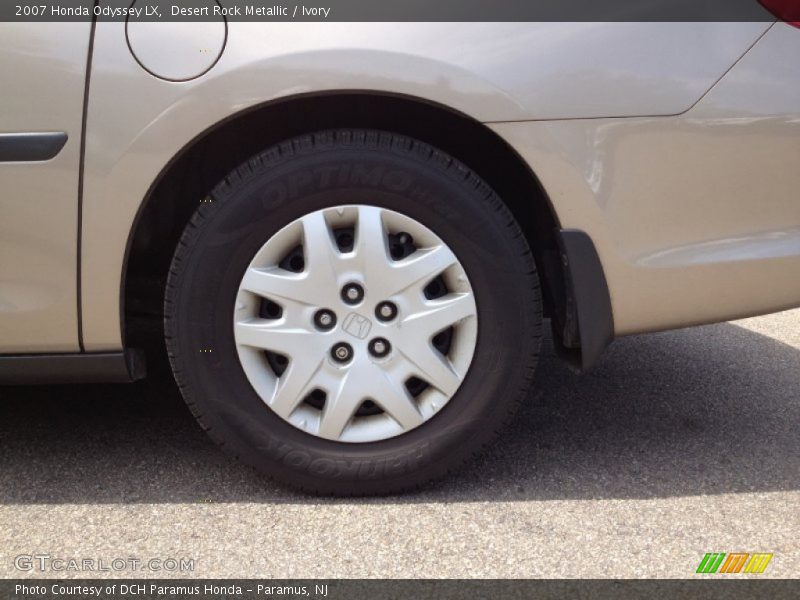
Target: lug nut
column 386, row 311
column 379, row 347
column 352, row 293
column 325, row 319
column 342, row 352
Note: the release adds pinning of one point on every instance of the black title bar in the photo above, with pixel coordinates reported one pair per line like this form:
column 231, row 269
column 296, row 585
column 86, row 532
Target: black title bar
column 387, row 10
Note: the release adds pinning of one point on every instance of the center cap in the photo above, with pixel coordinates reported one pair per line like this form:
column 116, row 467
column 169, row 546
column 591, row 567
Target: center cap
column 357, row 325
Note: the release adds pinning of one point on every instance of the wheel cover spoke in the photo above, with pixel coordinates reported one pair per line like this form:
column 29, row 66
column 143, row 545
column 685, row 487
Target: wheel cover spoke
column 421, row 267
column 276, row 338
column 296, row 382
column 342, row 403
column 432, row 368
column 371, row 249
column 439, row 314
column 318, row 247
column 363, row 394
column 399, row 404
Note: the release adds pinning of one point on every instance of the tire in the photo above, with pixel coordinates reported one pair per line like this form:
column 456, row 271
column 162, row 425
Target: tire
column 365, row 168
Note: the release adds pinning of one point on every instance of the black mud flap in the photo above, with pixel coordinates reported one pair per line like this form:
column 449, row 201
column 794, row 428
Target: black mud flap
column 583, row 327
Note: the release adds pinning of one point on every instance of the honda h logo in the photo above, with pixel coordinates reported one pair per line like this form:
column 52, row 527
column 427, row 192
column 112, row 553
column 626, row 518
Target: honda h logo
column 357, row 326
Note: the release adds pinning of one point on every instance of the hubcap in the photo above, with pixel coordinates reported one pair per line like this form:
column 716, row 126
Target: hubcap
column 365, row 338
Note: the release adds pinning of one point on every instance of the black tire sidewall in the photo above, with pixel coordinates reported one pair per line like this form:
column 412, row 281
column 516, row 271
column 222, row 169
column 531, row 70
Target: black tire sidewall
column 266, row 195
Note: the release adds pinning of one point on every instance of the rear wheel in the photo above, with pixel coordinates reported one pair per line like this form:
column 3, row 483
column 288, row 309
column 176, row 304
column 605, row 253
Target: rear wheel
column 353, row 312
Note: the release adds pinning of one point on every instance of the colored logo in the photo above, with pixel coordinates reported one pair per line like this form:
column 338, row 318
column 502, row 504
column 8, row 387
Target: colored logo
column 736, row 562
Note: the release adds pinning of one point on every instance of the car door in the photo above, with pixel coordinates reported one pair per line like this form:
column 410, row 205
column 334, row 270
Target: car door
column 43, row 79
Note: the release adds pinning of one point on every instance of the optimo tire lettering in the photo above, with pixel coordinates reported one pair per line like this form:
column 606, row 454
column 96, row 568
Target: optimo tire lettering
column 342, row 176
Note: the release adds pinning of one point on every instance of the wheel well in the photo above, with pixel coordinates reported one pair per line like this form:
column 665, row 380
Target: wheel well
column 206, row 160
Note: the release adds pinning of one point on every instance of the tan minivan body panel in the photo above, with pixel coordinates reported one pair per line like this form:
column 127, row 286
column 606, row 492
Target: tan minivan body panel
column 42, row 78
column 696, row 218
column 601, row 174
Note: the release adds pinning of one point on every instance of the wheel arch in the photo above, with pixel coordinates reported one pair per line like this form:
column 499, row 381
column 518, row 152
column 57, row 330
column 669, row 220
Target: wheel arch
column 210, row 156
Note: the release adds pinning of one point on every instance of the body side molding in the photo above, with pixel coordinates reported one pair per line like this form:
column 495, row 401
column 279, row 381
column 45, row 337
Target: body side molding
column 105, row 367
column 31, row 147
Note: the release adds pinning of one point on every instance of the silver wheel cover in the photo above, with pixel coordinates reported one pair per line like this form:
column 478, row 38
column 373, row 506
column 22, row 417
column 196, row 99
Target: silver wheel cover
column 336, row 410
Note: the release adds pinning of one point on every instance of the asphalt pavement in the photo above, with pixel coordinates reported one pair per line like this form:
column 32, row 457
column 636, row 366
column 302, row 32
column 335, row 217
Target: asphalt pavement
column 677, row 444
